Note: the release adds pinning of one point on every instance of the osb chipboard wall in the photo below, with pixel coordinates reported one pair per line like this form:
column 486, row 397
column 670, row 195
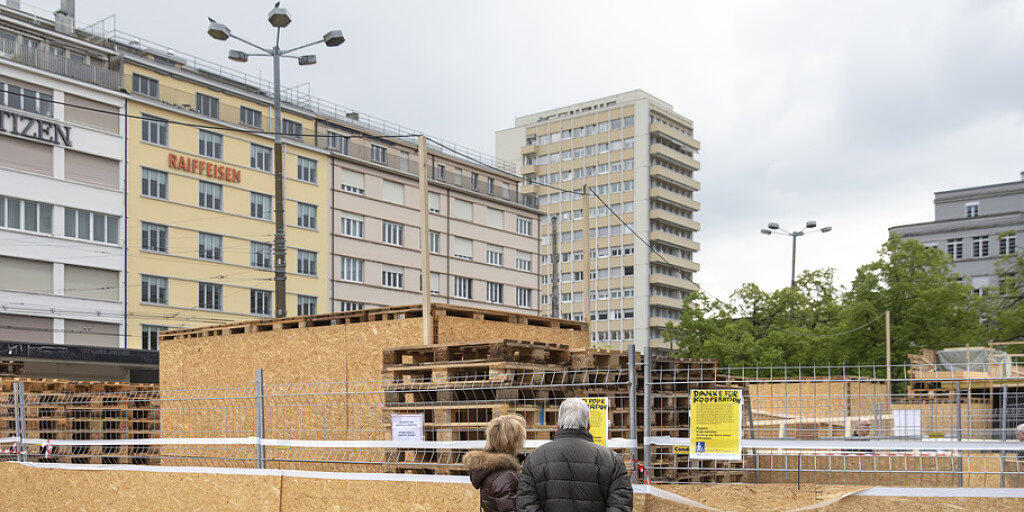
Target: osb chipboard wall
column 938, row 417
column 452, row 329
column 828, row 399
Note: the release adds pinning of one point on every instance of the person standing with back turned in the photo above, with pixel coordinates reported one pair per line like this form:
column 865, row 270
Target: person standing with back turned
column 572, row 474
column 495, row 469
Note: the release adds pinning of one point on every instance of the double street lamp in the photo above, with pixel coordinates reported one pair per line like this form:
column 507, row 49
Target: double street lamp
column 810, row 227
column 278, row 18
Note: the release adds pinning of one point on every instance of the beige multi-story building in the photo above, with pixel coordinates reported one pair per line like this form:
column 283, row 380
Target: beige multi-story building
column 601, row 170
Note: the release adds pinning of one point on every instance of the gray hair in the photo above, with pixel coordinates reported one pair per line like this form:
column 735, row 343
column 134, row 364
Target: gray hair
column 574, row 413
column 1020, row 428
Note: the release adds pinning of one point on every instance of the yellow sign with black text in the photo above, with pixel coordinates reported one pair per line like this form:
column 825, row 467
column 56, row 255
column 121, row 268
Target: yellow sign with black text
column 598, row 419
column 715, row 427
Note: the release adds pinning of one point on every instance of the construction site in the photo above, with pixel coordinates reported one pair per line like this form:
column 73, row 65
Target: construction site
column 298, row 414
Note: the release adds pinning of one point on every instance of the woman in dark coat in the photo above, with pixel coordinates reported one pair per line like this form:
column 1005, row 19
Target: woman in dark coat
column 495, row 470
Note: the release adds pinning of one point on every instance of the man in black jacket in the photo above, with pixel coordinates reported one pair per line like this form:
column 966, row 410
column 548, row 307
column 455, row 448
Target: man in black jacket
column 571, row 473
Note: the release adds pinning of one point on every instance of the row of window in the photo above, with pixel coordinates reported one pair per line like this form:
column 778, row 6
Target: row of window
column 600, row 252
column 38, row 218
column 211, row 195
column 608, row 336
column 211, row 247
column 28, row 100
column 211, row 296
column 580, row 173
column 581, row 131
column 979, row 246
column 210, row 106
column 612, row 314
column 576, row 235
column 580, row 152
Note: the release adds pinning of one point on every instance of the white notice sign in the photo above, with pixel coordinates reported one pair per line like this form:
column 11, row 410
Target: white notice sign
column 906, row 423
column 407, row 427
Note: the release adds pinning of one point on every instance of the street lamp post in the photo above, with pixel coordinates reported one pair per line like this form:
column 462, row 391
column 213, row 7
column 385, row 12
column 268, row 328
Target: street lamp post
column 278, row 18
column 773, row 227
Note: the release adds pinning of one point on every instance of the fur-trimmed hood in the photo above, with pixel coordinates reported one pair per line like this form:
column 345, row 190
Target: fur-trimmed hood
column 481, row 464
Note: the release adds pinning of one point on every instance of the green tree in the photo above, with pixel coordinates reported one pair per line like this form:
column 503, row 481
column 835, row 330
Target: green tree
column 1005, row 302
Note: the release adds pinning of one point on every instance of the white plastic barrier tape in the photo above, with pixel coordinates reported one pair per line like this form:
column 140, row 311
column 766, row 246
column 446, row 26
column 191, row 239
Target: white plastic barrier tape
column 856, row 445
column 294, row 443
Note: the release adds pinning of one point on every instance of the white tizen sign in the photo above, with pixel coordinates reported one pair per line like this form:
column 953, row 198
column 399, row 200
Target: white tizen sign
column 43, row 130
column 407, row 427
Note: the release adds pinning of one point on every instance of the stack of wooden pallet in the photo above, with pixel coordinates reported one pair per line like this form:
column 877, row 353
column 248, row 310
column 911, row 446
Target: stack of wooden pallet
column 59, row 409
column 11, row 368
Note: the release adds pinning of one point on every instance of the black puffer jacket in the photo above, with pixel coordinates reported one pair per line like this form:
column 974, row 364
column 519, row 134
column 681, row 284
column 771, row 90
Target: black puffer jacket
column 497, row 477
column 573, row 474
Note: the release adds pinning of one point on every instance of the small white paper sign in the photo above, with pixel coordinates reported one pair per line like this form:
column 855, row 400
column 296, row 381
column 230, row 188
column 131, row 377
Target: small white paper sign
column 407, row 427
column 906, row 423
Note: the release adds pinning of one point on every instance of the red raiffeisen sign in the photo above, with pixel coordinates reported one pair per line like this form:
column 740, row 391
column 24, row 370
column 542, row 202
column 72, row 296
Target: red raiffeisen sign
column 204, row 167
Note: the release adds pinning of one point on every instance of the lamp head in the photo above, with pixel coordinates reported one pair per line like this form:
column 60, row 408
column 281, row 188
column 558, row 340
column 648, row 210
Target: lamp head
column 334, row 38
column 811, row 224
column 826, row 229
column 279, row 16
column 773, row 225
column 307, row 60
column 238, row 56
column 766, row 232
column 218, row 31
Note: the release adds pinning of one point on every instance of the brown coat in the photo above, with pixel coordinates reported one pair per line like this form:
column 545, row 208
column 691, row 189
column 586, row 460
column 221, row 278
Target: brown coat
column 497, row 477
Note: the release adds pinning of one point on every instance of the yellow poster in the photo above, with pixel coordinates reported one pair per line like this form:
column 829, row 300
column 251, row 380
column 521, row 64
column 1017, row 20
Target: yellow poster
column 598, row 419
column 715, row 427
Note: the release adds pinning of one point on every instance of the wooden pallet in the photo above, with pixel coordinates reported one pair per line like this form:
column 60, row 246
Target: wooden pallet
column 497, row 350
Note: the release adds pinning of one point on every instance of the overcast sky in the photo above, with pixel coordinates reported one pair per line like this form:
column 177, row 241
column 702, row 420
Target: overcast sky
column 852, row 114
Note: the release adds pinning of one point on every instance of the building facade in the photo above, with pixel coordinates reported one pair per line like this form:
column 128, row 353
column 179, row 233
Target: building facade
column 601, row 170
column 62, row 203
column 976, row 226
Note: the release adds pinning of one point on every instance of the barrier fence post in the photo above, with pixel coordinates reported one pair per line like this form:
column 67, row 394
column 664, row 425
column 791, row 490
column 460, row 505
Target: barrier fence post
column 20, row 429
column 261, row 455
column 1002, row 435
column 750, row 434
column 647, row 412
column 959, row 437
column 632, row 404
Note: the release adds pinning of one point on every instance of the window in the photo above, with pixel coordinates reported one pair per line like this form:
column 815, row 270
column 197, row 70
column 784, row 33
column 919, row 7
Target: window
column 151, row 336
column 259, row 255
column 307, row 305
column 211, row 296
column 250, row 117
column 351, row 269
column 352, row 225
column 463, row 288
column 154, row 289
column 524, row 261
column 89, row 225
column 154, row 130
column 378, row 153
column 434, row 239
column 495, row 218
column 260, row 206
column 524, row 297
column 955, row 248
column 979, row 246
column 154, row 183
column 154, row 237
column 211, row 144
column 29, row 215
column 462, row 248
column 143, row 84
column 434, row 202
column 337, row 142
column 441, row 173
column 495, row 291
column 391, row 277
column 305, row 262
column 403, row 160
column 1007, row 244
column 211, row 247
column 494, row 255
column 524, row 226
column 462, row 209
column 347, row 305
column 475, row 180
column 972, row 210
column 393, row 192
column 260, row 157
column 352, row 181
column 392, row 233
column 259, row 302
column 211, row 195
column 307, row 170
column 490, row 186
column 306, row 215
column 291, row 128
column 435, row 283
column 207, row 105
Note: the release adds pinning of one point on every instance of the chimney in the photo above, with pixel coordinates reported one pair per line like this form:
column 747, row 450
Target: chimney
column 64, row 19
column 14, row 4
column 1022, row 175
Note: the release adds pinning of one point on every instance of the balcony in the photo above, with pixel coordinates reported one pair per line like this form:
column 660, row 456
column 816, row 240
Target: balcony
column 674, row 218
column 679, row 136
column 674, row 176
column 679, row 262
column 667, row 152
column 673, row 282
column 669, row 238
column 668, row 302
column 40, row 59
